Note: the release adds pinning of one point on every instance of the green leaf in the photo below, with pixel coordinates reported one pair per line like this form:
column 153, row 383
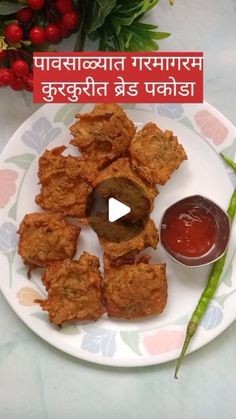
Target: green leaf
column 116, row 27
column 131, row 339
column 22, row 160
column 152, row 4
column 12, row 211
column 100, row 10
column 81, row 35
column 8, row 8
column 66, row 114
column 123, row 31
column 145, row 25
column 141, row 44
column 124, row 21
column 27, row 43
column 148, row 35
column 135, row 8
column 116, row 24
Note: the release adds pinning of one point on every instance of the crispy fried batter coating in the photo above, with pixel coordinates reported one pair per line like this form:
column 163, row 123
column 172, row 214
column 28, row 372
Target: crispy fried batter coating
column 122, row 168
column 125, row 251
column 134, row 291
column 65, row 183
column 156, row 154
column 74, row 290
column 46, row 238
column 104, row 134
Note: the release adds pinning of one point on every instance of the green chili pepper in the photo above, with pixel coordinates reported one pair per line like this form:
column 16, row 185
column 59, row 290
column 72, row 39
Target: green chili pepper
column 208, row 293
column 230, row 162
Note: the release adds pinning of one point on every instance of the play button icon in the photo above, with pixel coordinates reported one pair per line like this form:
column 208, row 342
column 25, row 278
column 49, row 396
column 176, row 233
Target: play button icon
column 117, row 210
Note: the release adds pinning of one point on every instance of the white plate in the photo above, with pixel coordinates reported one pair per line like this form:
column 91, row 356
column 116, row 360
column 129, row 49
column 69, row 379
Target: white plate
column 204, row 132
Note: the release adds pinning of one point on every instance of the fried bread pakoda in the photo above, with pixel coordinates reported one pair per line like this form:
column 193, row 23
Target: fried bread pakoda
column 104, row 134
column 65, row 183
column 156, row 154
column 127, row 194
column 74, row 290
column 46, row 238
column 134, row 291
column 125, row 251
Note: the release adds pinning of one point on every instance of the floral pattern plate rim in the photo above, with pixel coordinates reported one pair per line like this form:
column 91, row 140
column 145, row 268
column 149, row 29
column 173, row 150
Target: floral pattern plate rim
column 204, row 132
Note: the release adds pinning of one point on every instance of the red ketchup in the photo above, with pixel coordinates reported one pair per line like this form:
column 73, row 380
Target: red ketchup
column 189, row 229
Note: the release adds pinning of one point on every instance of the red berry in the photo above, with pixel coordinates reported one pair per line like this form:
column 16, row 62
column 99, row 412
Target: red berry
column 6, row 76
column 20, row 68
column 65, row 33
column 36, row 4
column 13, row 33
column 71, row 19
column 28, row 82
column 3, row 55
column 64, row 6
column 17, row 84
column 37, row 35
column 52, row 33
column 24, row 15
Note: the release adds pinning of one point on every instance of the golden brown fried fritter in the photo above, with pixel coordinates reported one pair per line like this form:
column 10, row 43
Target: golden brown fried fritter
column 125, row 251
column 156, row 154
column 74, row 290
column 134, row 291
column 65, row 183
column 46, row 238
column 122, row 168
column 104, row 134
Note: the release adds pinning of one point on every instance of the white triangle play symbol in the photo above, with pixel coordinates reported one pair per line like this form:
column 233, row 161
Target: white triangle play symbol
column 116, row 210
